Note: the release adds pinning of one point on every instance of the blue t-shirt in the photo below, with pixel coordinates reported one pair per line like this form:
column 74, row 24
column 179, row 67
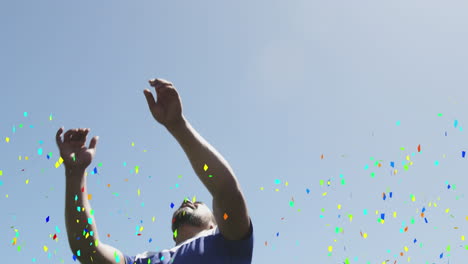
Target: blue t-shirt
column 208, row 247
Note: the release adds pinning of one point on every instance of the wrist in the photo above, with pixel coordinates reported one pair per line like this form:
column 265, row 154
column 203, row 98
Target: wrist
column 177, row 125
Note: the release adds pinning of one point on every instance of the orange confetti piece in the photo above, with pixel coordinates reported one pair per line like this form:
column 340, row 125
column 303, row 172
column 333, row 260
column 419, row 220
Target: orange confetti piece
column 266, row 243
column 90, row 196
column 321, row 157
column 108, row 235
column 406, row 229
column 108, row 185
column 422, row 214
column 225, row 216
column 419, row 148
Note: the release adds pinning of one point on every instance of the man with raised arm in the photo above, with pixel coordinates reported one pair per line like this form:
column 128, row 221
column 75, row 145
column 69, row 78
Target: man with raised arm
column 200, row 235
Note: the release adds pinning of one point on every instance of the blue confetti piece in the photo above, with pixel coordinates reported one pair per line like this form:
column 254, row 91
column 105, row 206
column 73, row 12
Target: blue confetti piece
column 308, row 191
column 48, row 157
column 384, row 196
column 425, row 219
column 47, row 219
column 95, row 170
column 448, row 187
column 150, row 240
column 391, row 194
column 414, row 241
column 392, row 164
column 382, row 216
column 441, row 255
column 424, row 209
column 463, row 154
column 74, row 257
column 277, row 234
column 172, row 205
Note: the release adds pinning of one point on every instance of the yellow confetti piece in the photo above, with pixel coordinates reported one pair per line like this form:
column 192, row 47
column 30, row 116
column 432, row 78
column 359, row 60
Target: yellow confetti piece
column 277, row 190
column 261, row 188
column 59, row 162
column 137, row 169
column 225, row 216
column 339, row 207
column 138, row 191
column 364, row 235
column 394, row 214
column 141, row 228
column 406, row 248
column 133, row 144
column 286, row 183
column 330, row 248
column 26, row 158
column 7, row 139
column 6, row 195
column 153, row 218
column 96, row 242
column 90, row 196
column 447, row 210
column 1, row 173
column 46, row 248
column 194, row 199
column 27, row 181
column 13, row 242
column 205, row 167
column 19, row 157
column 325, row 193
column 463, row 238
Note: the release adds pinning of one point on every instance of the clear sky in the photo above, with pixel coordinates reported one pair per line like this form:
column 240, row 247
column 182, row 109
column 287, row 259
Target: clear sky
column 273, row 86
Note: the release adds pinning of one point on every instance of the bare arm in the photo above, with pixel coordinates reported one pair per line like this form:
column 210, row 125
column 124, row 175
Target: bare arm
column 229, row 206
column 83, row 236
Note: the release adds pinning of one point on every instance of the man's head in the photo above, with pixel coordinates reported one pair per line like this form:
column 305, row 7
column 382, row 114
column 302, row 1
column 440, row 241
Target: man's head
column 192, row 218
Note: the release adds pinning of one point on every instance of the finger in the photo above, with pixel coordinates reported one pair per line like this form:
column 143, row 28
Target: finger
column 58, row 137
column 92, row 144
column 149, row 98
column 68, row 135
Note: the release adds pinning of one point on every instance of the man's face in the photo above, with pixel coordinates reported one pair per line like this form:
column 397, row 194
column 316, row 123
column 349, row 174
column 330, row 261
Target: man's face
column 195, row 214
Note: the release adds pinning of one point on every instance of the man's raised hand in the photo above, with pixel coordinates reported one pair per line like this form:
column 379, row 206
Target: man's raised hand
column 167, row 110
column 73, row 150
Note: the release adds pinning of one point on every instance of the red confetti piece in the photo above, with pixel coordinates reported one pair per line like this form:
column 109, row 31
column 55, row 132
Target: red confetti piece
column 419, row 148
column 55, row 236
column 82, row 189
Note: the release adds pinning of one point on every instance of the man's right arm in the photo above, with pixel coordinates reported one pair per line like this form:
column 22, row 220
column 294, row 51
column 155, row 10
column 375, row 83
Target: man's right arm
column 82, row 232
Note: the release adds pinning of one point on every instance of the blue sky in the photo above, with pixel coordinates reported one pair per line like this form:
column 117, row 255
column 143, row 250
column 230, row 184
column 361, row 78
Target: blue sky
column 273, row 86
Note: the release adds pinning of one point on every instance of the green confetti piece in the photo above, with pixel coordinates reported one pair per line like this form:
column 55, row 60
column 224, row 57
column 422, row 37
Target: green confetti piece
column 448, row 248
column 291, row 203
column 346, row 261
column 116, row 256
column 175, row 233
column 343, row 182
column 100, row 164
column 439, row 114
column 19, row 248
column 372, row 174
column 321, row 182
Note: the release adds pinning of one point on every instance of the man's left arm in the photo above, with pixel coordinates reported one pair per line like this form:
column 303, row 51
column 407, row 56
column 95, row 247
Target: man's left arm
column 229, row 206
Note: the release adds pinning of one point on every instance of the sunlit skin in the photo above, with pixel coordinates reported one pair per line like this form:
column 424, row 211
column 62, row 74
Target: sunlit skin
column 200, row 212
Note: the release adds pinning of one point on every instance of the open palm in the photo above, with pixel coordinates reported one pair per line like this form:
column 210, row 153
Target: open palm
column 168, row 108
column 73, row 150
